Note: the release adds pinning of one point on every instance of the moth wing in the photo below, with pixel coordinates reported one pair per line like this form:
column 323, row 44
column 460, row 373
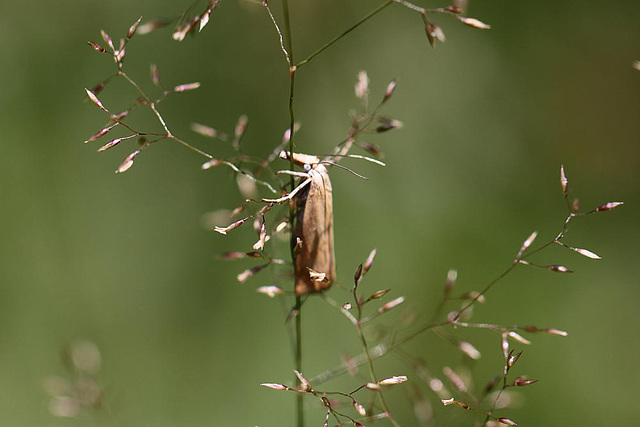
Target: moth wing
column 315, row 229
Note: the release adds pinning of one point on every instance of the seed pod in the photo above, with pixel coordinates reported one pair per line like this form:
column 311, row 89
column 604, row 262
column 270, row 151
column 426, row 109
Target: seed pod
column 314, row 228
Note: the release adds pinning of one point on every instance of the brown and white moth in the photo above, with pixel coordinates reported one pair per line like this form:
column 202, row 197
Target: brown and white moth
column 315, row 267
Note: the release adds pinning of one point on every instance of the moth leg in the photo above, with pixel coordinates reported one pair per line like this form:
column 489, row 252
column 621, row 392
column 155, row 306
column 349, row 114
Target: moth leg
column 290, row 195
column 294, row 173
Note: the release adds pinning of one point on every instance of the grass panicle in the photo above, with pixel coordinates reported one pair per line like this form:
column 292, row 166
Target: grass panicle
column 273, row 196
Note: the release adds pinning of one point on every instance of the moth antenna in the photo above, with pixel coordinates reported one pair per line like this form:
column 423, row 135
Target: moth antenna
column 346, row 168
column 358, row 156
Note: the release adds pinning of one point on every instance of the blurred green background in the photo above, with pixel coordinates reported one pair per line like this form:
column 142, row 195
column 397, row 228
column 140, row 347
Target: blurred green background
column 489, row 117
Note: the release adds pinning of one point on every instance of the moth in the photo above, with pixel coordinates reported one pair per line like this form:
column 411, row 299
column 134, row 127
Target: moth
column 315, row 265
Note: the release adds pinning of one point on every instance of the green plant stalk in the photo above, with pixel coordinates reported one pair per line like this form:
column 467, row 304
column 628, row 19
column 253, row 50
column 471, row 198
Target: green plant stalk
column 365, row 346
column 298, row 306
column 372, row 373
column 299, row 396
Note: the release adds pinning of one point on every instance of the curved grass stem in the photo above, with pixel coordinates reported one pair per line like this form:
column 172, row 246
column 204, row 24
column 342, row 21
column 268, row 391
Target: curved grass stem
column 344, row 33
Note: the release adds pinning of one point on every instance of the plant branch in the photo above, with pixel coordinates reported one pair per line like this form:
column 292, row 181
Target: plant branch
column 353, row 27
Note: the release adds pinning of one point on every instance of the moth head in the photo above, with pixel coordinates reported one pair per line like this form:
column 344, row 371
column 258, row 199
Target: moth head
column 304, row 161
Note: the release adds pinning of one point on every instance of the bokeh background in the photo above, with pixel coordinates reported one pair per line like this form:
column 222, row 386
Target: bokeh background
column 123, row 260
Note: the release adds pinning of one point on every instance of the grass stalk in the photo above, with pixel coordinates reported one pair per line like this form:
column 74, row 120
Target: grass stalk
column 344, row 33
